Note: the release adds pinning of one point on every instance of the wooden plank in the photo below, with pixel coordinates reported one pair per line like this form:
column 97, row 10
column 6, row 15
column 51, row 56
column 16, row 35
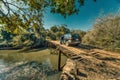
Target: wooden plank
column 59, row 60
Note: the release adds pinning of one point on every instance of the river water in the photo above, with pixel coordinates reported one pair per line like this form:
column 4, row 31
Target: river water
column 40, row 61
column 2, row 65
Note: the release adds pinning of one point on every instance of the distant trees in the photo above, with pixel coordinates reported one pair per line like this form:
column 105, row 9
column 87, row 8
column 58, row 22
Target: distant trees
column 80, row 32
column 105, row 33
column 56, row 31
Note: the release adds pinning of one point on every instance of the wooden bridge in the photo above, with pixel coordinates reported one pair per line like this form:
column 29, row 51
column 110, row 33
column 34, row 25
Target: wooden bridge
column 69, row 52
column 91, row 63
column 78, row 53
column 73, row 53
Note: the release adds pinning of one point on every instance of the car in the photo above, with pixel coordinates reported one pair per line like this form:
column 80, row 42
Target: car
column 70, row 39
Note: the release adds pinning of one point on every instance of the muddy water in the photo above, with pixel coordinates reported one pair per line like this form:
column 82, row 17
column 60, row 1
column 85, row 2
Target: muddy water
column 40, row 56
column 2, row 65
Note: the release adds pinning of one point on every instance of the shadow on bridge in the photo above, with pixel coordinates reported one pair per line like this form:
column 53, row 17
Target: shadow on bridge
column 88, row 47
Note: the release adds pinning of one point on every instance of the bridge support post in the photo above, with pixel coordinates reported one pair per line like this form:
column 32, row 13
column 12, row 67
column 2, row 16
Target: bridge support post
column 59, row 60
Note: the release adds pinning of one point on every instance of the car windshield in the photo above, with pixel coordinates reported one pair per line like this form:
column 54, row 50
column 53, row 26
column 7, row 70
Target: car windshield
column 75, row 36
column 67, row 35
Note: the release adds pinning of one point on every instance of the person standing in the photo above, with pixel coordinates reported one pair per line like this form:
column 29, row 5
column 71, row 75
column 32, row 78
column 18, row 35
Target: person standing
column 61, row 39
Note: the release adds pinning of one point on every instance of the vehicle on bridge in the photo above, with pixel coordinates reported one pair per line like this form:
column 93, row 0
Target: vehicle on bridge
column 70, row 39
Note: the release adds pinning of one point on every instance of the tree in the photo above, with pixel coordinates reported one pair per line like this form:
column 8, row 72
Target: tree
column 29, row 10
column 54, row 29
column 18, row 15
column 64, row 29
column 105, row 33
column 66, row 7
column 80, row 32
column 6, row 35
column 27, row 14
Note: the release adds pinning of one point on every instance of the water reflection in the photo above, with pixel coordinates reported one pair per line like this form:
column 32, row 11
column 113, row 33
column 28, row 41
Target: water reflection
column 2, row 65
column 35, row 66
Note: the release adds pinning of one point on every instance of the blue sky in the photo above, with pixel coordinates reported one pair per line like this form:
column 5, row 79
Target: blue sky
column 86, row 17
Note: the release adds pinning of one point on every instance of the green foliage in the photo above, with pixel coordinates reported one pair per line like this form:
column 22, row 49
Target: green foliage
column 6, row 35
column 66, row 7
column 80, row 32
column 25, row 19
column 56, row 31
column 52, row 37
column 105, row 33
column 64, row 29
column 28, row 12
column 27, row 40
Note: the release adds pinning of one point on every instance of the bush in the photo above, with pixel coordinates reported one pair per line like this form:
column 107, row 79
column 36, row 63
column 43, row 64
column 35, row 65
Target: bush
column 105, row 33
column 27, row 40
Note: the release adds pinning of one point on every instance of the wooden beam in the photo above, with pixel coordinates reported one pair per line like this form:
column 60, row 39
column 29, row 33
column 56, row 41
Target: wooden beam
column 59, row 60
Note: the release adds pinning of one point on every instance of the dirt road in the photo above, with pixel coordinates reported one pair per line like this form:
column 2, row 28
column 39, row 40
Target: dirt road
column 95, row 64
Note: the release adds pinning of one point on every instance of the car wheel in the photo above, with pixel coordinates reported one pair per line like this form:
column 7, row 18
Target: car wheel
column 77, row 45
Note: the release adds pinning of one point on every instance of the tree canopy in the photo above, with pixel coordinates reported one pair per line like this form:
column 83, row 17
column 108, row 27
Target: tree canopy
column 26, row 13
column 56, row 31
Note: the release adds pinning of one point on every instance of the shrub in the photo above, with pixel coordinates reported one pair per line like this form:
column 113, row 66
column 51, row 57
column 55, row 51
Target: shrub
column 105, row 33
